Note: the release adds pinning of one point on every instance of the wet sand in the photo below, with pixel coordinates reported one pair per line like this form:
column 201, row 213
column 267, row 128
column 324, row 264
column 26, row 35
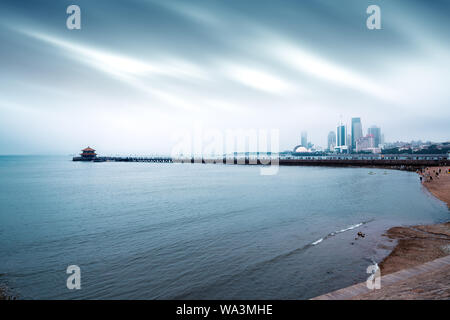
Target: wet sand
column 417, row 245
column 421, row 247
column 420, row 244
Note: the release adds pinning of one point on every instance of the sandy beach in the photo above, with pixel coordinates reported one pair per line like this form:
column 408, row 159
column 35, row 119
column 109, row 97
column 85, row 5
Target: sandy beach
column 419, row 266
column 439, row 186
column 417, row 245
column 420, row 244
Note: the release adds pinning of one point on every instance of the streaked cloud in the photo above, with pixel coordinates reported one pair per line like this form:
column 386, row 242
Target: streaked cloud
column 290, row 65
column 258, row 79
column 312, row 64
column 121, row 65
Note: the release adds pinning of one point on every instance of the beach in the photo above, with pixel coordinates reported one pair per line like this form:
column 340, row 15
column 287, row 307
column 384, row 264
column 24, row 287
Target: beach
column 417, row 245
column 420, row 244
column 440, row 185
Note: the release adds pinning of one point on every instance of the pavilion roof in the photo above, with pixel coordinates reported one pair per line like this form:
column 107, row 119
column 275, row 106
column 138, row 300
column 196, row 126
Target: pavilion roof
column 88, row 149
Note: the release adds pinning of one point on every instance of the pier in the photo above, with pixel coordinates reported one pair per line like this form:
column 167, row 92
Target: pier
column 394, row 161
column 127, row 159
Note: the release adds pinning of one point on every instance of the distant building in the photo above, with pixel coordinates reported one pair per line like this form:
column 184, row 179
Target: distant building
column 356, row 131
column 376, row 132
column 331, row 140
column 365, row 143
column 88, row 154
column 341, row 135
column 304, row 141
column 301, row 149
column 341, row 141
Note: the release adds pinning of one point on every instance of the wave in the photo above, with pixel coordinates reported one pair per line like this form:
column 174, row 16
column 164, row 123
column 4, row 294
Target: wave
column 262, row 264
column 331, row 234
column 312, row 244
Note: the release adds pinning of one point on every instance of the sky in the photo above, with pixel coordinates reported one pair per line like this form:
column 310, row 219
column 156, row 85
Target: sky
column 141, row 72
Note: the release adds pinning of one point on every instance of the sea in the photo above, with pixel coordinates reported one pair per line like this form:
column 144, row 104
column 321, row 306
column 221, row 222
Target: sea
column 197, row 231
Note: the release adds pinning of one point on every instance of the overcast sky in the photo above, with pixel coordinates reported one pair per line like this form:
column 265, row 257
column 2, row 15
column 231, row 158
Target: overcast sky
column 140, row 70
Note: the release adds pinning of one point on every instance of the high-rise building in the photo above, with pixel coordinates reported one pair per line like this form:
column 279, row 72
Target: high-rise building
column 341, row 141
column 305, row 139
column 341, row 135
column 376, row 132
column 331, row 140
column 356, row 131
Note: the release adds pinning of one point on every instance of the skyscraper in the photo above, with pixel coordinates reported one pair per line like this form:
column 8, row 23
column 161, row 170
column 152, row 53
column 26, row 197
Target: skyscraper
column 305, row 139
column 331, row 140
column 341, row 141
column 356, row 131
column 376, row 132
column 341, row 135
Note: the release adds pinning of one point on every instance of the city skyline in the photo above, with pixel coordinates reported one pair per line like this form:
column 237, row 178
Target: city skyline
column 127, row 85
column 353, row 137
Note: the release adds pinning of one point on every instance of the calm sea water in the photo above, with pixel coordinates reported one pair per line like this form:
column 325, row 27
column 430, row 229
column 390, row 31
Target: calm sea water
column 193, row 231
